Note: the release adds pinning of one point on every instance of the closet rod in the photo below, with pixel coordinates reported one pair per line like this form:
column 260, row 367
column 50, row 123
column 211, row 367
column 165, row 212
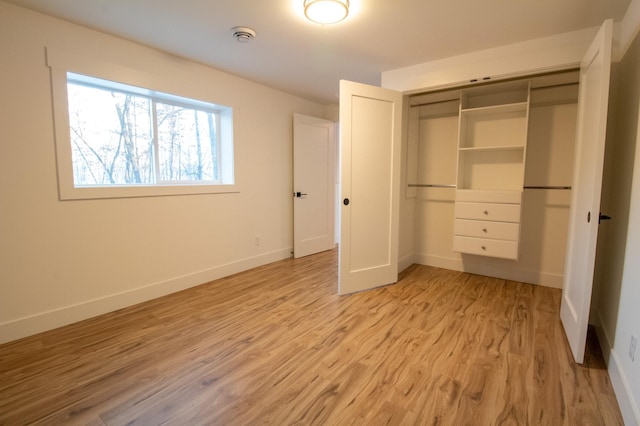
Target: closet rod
column 547, row 187
column 430, row 185
column 435, row 185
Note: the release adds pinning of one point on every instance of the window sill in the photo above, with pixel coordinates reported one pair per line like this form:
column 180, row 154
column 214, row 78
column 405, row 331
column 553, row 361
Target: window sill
column 105, row 192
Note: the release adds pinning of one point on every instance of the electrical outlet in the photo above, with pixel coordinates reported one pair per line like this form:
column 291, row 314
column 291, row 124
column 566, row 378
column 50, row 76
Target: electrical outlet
column 257, row 241
column 632, row 347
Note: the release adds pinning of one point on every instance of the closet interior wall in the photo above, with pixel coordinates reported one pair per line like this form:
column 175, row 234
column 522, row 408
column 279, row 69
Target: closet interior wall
column 431, row 171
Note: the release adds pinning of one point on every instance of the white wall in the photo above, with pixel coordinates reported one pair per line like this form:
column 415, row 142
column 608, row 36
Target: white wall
column 553, row 53
column 64, row 261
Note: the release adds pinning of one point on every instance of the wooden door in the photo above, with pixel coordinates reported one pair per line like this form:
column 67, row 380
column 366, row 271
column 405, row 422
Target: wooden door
column 314, row 163
column 587, row 185
column 370, row 131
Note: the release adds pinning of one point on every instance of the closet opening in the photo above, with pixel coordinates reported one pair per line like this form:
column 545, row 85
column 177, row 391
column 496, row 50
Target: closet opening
column 487, row 177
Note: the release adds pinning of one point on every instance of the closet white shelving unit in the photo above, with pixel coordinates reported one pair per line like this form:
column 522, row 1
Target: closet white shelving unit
column 492, row 148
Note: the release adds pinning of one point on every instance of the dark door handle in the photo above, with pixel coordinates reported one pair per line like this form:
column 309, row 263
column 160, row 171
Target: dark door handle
column 603, row 217
column 299, row 194
column 346, row 202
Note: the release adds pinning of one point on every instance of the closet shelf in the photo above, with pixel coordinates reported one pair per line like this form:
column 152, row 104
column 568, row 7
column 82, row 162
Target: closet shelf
column 489, row 196
column 492, row 148
column 496, row 109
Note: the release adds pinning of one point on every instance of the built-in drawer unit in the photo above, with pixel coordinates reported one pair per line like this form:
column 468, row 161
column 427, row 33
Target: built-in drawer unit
column 487, row 223
column 492, row 151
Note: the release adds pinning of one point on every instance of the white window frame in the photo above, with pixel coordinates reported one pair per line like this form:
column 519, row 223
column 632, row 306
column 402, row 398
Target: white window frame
column 61, row 63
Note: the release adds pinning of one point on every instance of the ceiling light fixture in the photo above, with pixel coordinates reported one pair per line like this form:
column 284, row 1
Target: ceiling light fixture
column 326, row 11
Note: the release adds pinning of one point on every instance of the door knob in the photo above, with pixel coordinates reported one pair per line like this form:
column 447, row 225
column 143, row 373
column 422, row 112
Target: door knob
column 346, row 202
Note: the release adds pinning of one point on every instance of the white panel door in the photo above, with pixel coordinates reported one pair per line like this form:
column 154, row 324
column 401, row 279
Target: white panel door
column 587, row 185
column 370, row 131
column 314, row 163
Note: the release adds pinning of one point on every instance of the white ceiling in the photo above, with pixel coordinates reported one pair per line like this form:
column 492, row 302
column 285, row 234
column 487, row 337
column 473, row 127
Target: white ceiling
column 306, row 59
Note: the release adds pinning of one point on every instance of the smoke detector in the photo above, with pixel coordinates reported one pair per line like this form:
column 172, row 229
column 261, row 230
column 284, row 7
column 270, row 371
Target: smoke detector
column 243, row 34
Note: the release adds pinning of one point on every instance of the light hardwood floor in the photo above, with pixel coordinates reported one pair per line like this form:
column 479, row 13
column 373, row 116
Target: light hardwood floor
column 276, row 345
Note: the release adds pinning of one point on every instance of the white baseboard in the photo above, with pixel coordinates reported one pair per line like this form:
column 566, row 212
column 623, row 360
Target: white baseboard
column 405, row 262
column 630, row 411
column 492, row 270
column 438, row 262
column 43, row 321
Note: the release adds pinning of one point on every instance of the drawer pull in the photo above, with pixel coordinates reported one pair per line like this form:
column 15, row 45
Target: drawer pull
column 483, row 248
column 484, row 230
column 486, row 212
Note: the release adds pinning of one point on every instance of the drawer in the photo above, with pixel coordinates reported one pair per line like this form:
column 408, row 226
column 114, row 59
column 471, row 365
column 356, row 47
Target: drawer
column 486, row 229
column 486, row 247
column 481, row 196
column 488, row 211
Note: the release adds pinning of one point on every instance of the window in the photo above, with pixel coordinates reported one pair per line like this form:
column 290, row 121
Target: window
column 121, row 135
column 118, row 140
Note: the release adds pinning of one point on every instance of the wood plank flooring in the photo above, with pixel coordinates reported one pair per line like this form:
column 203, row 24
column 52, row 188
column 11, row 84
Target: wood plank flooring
column 276, row 345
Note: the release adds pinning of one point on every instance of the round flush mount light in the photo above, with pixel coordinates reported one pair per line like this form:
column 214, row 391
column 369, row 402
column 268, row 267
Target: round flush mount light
column 243, row 34
column 326, row 11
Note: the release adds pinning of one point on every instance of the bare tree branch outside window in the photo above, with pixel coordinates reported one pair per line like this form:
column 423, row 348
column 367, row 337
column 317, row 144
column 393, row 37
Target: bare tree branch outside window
column 116, row 140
